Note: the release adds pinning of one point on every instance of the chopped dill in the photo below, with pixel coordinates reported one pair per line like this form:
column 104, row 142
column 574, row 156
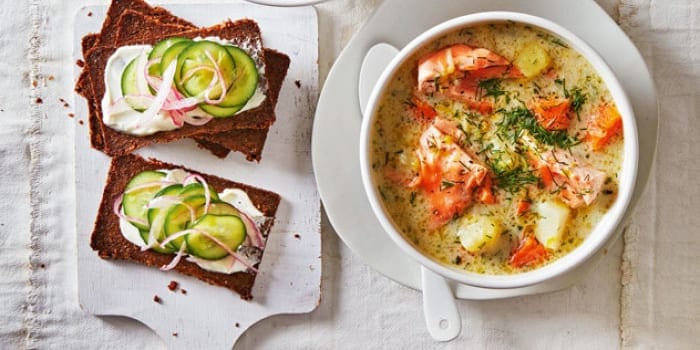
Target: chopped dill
column 490, row 87
column 446, row 184
column 520, row 118
column 578, row 99
column 577, row 96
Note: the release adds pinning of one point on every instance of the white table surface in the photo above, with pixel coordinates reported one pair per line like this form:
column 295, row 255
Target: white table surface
column 644, row 294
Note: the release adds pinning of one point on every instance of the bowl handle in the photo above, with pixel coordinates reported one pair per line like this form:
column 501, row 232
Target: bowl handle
column 376, row 60
column 439, row 307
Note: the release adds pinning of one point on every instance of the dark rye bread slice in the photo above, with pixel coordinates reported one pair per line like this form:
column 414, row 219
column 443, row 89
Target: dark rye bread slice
column 108, row 33
column 118, row 7
column 109, row 242
column 251, row 141
column 117, row 143
column 248, row 141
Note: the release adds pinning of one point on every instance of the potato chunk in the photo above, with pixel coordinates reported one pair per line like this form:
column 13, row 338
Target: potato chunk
column 551, row 222
column 532, row 60
column 481, row 234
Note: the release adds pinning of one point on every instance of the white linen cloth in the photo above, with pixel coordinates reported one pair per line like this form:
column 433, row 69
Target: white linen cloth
column 644, row 296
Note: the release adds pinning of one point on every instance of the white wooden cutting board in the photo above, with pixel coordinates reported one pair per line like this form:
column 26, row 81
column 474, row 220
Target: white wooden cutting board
column 290, row 273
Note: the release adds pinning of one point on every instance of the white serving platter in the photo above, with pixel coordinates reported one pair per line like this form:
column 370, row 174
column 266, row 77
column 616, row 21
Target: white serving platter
column 335, row 143
column 289, row 280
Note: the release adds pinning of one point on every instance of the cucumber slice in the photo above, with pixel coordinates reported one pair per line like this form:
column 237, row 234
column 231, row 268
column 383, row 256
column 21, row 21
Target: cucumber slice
column 220, row 112
column 129, row 84
column 156, row 220
column 179, row 217
column 134, row 202
column 158, row 51
column 172, row 53
column 227, row 229
column 246, row 79
column 197, row 189
column 222, row 208
column 196, row 56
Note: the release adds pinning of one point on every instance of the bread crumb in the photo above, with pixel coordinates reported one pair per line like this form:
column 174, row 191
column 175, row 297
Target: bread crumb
column 183, row 291
column 89, row 14
column 157, row 299
column 172, row 286
column 297, row 236
column 80, row 63
column 35, row 83
column 50, row 77
column 39, row 100
column 71, row 115
column 81, row 122
column 43, row 266
column 238, row 325
column 297, row 83
column 174, row 334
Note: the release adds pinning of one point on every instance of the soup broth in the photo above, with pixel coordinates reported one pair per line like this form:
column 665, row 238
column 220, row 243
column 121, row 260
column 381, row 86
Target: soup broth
column 496, row 148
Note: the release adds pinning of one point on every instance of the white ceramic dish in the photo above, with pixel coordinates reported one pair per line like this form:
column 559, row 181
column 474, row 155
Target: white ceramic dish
column 600, row 233
column 338, row 119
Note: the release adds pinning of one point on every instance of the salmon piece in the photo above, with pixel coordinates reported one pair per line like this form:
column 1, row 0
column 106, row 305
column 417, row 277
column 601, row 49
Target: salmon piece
column 448, row 176
column 603, row 126
column 422, row 110
column 529, row 252
column 577, row 184
column 522, row 207
column 484, row 194
column 467, row 91
column 551, row 113
column 460, row 58
column 456, row 71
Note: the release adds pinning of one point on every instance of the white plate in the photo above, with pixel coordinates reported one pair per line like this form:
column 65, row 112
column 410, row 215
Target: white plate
column 335, row 140
column 290, row 272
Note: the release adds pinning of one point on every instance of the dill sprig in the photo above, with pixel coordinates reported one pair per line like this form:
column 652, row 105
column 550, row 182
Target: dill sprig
column 520, row 118
column 490, row 87
column 577, row 96
column 512, row 180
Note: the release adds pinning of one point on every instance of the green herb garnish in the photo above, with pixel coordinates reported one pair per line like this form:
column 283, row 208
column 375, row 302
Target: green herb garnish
column 490, row 87
column 446, row 184
column 518, row 119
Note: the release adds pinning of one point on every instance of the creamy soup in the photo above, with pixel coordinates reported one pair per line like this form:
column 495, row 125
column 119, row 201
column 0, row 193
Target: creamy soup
column 496, row 148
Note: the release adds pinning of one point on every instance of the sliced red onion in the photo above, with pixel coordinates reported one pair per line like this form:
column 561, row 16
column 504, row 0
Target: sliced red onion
column 180, row 96
column 250, row 226
column 220, row 78
column 153, row 82
column 228, row 250
column 182, row 104
column 177, row 117
column 207, row 195
column 163, row 92
column 117, row 209
column 176, row 236
column 176, row 259
column 194, row 71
